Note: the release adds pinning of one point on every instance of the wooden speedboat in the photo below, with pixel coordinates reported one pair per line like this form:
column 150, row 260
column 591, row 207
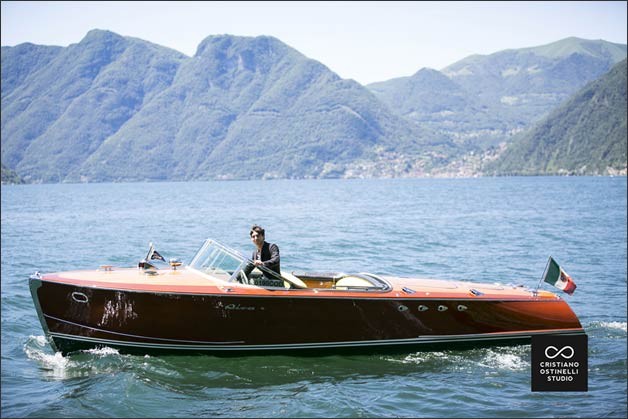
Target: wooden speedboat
column 212, row 305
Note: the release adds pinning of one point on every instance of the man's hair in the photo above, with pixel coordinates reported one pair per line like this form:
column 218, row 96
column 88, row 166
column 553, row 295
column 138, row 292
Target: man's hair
column 258, row 230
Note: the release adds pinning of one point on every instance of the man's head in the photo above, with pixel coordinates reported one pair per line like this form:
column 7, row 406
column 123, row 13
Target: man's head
column 257, row 235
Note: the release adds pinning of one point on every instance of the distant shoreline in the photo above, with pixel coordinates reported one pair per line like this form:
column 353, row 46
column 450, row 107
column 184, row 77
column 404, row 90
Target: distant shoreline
column 621, row 174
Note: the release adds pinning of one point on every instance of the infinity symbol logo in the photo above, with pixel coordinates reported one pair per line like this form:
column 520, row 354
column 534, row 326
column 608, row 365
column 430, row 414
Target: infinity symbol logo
column 557, row 352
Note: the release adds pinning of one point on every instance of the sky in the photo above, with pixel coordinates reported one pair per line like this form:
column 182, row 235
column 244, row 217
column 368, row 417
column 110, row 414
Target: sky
column 365, row 41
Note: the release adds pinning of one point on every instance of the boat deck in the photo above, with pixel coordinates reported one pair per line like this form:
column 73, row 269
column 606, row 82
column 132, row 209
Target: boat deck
column 192, row 281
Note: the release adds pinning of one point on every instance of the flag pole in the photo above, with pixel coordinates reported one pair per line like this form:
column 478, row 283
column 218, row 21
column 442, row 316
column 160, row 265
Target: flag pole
column 536, row 290
column 151, row 249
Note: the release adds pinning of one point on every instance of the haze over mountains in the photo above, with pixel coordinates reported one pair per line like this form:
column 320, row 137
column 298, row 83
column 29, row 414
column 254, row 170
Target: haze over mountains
column 480, row 100
column 113, row 108
column 560, row 143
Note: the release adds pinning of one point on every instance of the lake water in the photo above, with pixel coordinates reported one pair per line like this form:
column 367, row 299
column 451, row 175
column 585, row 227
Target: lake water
column 484, row 230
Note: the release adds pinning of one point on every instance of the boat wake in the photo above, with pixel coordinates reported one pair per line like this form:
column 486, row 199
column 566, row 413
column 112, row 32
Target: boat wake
column 615, row 325
column 506, row 361
column 611, row 327
column 508, row 358
column 103, row 351
column 55, row 366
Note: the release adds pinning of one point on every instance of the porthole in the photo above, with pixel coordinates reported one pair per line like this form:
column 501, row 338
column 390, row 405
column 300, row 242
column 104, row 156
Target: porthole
column 79, row 297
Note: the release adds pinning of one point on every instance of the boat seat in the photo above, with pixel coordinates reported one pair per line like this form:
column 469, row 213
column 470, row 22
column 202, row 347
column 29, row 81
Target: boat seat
column 352, row 281
column 293, row 279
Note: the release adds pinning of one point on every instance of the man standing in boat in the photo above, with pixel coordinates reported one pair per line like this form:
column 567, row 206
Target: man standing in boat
column 266, row 254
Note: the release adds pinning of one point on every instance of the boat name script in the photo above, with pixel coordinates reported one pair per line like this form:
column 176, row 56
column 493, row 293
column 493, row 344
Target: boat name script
column 238, row 307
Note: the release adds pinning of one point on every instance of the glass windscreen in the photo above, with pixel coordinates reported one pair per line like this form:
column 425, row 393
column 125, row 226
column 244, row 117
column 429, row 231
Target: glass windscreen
column 227, row 264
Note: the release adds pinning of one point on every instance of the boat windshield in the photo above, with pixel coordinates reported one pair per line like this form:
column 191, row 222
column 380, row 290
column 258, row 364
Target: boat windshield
column 227, row 264
column 217, row 260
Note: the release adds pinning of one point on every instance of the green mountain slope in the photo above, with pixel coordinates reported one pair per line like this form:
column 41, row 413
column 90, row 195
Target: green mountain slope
column 60, row 114
column 489, row 98
column 21, row 61
column 242, row 107
column 431, row 99
column 249, row 108
column 586, row 135
column 114, row 108
column 532, row 79
column 10, row 177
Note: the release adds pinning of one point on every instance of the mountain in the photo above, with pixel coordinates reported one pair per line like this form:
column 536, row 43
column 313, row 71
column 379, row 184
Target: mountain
column 113, row 108
column 249, row 108
column 20, row 61
column 62, row 112
column 585, row 135
column 9, row 176
column 432, row 99
column 490, row 98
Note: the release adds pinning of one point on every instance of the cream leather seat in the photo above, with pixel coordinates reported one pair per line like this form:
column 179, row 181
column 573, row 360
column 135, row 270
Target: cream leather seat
column 352, row 281
column 289, row 276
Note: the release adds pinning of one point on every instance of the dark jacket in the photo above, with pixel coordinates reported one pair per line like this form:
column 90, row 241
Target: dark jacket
column 269, row 256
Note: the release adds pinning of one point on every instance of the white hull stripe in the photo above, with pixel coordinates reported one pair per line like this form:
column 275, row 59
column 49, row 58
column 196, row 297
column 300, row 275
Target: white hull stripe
column 237, row 345
column 139, row 336
column 318, row 345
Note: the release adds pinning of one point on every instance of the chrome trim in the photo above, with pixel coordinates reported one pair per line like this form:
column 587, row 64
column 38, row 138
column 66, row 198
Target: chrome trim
column 219, row 346
column 79, row 297
column 314, row 291
column 127, row 334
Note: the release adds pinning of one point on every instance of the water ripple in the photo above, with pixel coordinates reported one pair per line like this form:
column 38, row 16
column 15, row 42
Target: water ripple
column 483, row 230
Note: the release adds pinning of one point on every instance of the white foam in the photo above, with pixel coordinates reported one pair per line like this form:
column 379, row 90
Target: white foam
column 615, row 325
column 421, row 357
column 104, row 351
column 513, row 359
column 54, row 361
column 40, row 340
column 55, row 364
column 58, row 367
column 507, row 361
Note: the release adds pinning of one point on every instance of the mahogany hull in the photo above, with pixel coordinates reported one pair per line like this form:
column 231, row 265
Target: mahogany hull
column 79, row 317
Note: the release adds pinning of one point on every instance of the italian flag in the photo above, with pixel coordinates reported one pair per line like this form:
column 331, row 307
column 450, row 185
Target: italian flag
column 555, row 275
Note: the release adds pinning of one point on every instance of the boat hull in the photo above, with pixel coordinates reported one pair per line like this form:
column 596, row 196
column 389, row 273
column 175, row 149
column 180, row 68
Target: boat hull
column 81, row 317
